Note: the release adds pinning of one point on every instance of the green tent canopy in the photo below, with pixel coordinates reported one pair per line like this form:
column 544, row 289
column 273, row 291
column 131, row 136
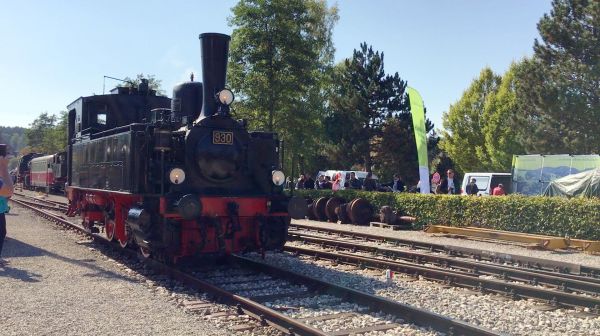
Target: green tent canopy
column 584, row 184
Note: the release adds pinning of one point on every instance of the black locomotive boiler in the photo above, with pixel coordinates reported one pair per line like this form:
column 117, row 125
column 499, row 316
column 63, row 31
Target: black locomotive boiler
column 177, row 177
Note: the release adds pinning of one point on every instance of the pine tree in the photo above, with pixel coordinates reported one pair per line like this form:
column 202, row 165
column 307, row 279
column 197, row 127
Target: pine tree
column 560, row 85
column 369, row 120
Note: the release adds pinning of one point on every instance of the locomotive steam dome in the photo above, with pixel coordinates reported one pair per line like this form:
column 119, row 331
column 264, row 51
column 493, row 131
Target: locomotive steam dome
column 217, row 162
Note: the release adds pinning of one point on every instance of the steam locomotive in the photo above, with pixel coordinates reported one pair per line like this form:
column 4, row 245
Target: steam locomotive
column 177, row 177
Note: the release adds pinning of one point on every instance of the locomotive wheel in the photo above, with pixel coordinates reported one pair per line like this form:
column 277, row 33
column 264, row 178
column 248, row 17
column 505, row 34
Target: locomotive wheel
column 330, row 207
column 319, row 208
column 360, row 212
column 109, row 228
column 125, row 241
column 145, row 252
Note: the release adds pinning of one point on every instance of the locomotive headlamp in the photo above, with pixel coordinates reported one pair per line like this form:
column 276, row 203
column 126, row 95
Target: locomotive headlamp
column 277, row 177
column 177, row 176
column 225, row 97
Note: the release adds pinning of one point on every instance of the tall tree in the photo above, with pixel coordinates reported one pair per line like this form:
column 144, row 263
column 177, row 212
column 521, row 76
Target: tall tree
column 14, row 137
column 501, row 114
column 153, row 83
column 281, row 52
column 363, row 99
column 463, row 137
column 37, row 134
column 395, row 150
column 45, row 135
column 560, row 85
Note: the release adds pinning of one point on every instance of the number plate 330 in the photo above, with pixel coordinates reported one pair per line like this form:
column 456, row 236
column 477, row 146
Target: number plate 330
column 222, row 138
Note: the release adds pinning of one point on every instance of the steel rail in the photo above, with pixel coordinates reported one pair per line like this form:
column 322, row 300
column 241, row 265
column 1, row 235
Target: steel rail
column 564, row 282
column 47, row 206
column 497, row 257
column 459, row 279
column 54, row 203
column 260, row 312
column 410, row 314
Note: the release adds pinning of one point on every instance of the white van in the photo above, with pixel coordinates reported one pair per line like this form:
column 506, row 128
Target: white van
column 486, row 182
column 361, row 175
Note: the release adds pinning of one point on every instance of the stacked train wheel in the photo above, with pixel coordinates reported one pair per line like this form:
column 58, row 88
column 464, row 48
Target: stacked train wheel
column 332, row 204
column 319, row 208
column 334, row 209
column 360, row 211
column 342, row 213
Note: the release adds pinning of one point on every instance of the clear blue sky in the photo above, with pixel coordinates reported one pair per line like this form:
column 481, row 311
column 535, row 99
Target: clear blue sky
column 52, row 52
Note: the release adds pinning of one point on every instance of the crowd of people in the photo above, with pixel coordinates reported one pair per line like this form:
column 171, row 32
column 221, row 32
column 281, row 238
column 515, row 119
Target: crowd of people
column 446, row 185
column 305, row 181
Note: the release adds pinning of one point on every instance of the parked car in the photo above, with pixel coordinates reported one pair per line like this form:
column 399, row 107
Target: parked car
column 486, row 182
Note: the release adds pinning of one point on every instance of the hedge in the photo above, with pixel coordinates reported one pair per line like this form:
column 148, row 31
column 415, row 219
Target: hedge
column 576, row 217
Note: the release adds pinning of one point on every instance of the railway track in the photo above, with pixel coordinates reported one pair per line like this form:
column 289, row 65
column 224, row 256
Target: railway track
column 554, row 290
column 243, row 291
column 460, row 252
column 45, row 203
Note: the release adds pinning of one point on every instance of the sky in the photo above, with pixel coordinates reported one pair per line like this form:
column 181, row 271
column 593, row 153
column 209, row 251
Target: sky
column 53, row 52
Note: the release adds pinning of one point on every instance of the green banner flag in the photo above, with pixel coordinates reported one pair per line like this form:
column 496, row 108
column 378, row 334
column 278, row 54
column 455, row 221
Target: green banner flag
column 418, row 117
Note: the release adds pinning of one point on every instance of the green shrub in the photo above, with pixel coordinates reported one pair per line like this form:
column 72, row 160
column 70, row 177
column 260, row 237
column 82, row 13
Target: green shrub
column 575, row 218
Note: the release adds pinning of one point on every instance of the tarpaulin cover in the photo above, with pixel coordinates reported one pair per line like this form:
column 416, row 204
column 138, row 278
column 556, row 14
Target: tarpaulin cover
column 584, row 184
column 533, row 173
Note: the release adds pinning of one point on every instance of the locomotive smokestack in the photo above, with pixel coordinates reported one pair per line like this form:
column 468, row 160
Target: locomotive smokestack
column 215, row 49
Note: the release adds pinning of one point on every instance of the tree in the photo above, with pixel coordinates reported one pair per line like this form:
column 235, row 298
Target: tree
column 395, row 152
column 280, row 54
column 153, row 83
column 14, row 137
column 45, row 135
column 501, row 114
column 463, row 137
column 560, row 85
column 363, row 99
column 39, row 129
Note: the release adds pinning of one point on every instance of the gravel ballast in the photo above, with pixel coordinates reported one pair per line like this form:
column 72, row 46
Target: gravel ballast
column 493, row 312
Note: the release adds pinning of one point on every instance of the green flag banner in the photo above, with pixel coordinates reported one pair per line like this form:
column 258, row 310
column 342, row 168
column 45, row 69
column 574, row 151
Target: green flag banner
column 418, row 117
